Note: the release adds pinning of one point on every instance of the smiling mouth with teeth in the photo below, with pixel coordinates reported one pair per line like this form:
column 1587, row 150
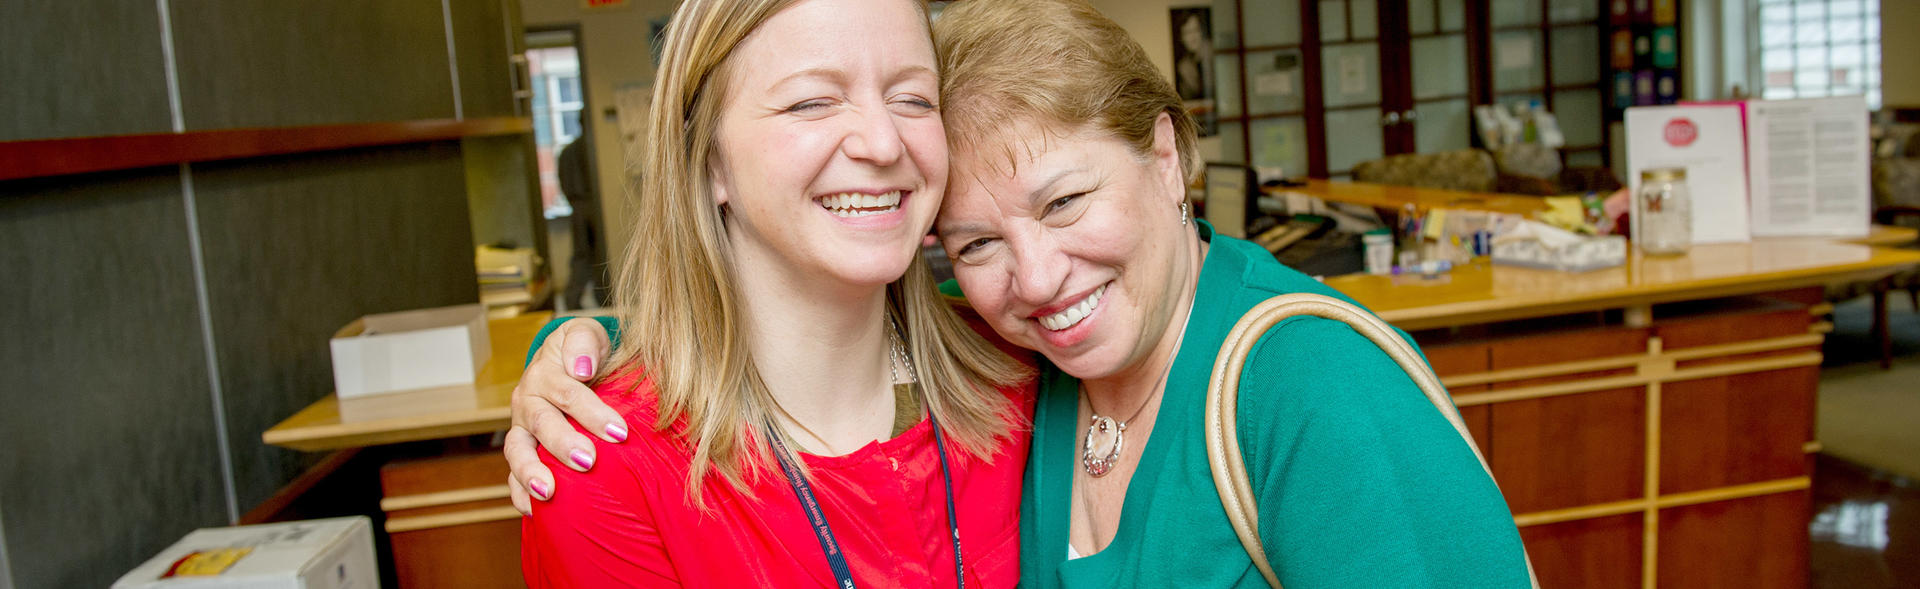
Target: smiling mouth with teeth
column 853, row 204
column 1071, row 316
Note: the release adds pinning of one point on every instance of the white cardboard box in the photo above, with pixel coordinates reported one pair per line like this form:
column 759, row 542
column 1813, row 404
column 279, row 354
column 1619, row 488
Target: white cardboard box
column 410, row 350
column 313, row 554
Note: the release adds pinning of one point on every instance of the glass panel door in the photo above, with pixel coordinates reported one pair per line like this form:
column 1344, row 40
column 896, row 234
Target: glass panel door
column 1356, row 121
column 1274, row 79
column 1577, row 52
column 1441, row 77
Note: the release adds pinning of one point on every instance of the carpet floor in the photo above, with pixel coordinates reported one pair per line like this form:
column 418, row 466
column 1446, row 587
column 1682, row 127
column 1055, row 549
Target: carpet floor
column 1867, row 415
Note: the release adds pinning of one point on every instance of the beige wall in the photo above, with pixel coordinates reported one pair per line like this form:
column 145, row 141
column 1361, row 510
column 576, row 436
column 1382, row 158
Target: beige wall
column 1147, row 21
column 1899, row 71
column 617, row 54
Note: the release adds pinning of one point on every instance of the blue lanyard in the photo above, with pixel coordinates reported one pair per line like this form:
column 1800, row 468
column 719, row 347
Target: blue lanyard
column 836, row 559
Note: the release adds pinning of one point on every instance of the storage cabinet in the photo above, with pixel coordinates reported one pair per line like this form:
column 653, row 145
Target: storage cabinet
column 451, row 522
column 1673, row 452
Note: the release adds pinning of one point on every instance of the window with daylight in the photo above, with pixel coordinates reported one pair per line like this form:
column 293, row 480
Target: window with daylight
column 1812, row 48
column 558, row 103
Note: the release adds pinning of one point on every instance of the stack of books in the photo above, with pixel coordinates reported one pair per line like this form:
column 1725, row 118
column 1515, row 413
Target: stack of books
column 508, row 276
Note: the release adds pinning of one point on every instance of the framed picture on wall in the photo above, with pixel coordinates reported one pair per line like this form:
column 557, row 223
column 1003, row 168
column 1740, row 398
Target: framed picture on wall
column 1193, row 74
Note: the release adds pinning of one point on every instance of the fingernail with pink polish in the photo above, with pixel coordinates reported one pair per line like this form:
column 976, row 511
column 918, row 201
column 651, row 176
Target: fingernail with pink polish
column 583, row 366
column 540, row 489
column 581, row 459
column 617, row 431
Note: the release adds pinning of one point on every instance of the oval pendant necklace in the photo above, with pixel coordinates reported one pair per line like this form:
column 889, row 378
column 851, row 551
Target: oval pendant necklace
column 1099, row 458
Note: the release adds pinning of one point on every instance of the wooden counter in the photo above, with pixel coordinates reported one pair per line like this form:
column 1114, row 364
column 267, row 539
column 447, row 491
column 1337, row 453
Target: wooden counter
column 479, row 409
column 1393, row 197
column 1888, row 235
column 1672, row 454
column 1481, row 292
column 1637, row 450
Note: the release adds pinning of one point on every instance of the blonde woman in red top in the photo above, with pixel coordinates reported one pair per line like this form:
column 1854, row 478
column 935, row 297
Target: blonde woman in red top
column 806, row 410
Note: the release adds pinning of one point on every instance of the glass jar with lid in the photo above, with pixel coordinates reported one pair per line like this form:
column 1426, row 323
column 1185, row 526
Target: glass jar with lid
column 1664, row 212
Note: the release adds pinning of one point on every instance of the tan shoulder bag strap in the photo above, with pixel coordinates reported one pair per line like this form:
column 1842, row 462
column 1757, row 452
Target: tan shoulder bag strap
column 1223, row 394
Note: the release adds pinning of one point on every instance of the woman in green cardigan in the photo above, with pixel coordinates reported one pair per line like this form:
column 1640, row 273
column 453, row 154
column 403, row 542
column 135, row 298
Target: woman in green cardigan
column 1066, row 221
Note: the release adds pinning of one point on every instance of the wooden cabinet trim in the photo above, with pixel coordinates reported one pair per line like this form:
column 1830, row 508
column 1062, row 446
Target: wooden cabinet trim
column 1644, row 378
column 457, row 518
column 79, row 155
column 1663, row 502
column 1656, row 365
column 404, row 502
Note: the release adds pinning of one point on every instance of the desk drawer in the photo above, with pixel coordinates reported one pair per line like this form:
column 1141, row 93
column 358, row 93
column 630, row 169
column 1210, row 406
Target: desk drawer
column 451, row 522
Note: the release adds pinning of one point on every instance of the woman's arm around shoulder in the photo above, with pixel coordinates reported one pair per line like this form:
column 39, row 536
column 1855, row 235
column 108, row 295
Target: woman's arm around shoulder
column 602, row 529
column 1361, row 481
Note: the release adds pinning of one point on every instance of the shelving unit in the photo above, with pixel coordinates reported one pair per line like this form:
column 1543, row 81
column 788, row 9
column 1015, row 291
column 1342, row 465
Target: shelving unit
column 81, row 155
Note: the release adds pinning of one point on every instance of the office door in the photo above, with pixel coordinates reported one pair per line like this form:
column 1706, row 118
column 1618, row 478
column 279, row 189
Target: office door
column 1398, row 78
column 1354, row 119
column 1433, row 111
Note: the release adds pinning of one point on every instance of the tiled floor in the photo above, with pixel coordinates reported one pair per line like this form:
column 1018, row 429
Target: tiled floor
column 1866, row 528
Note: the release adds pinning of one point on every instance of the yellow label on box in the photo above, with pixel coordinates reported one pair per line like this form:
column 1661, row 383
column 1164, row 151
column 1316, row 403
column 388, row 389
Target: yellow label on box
column 206, row 563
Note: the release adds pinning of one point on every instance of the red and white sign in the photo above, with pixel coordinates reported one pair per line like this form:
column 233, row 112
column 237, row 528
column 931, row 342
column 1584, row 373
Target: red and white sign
column 1681, row 132
column 1705, row 140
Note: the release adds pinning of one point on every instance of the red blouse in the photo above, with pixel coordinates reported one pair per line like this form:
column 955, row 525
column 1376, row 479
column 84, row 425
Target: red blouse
column 628, row 521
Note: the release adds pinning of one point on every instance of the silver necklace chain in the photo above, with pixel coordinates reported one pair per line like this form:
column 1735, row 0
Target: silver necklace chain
column 1098, row 465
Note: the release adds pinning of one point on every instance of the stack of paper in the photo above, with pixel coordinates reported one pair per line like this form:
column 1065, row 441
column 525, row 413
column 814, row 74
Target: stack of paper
column 1809, row 166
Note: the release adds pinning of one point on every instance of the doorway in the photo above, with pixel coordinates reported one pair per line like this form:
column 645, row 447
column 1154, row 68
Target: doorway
column 569, row 183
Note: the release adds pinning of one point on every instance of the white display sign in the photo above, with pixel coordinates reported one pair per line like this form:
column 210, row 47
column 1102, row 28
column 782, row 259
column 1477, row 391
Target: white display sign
column 1706, row 140
column 1809, row 167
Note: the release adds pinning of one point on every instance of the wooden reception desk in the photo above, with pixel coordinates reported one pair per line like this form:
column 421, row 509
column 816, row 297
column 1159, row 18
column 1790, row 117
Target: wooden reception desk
column 1649, row 424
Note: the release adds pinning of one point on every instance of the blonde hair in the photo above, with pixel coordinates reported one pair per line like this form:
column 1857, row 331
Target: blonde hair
column 1059, row 64
column 678, row 300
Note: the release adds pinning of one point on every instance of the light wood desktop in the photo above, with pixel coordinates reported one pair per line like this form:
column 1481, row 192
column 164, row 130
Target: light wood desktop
column 409, row 417
column 1482, row 292
column 1889, row 235
column 1393, row 197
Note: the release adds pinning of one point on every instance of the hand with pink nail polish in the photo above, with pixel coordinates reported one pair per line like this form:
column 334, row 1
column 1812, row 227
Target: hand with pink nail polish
column 554, row 387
